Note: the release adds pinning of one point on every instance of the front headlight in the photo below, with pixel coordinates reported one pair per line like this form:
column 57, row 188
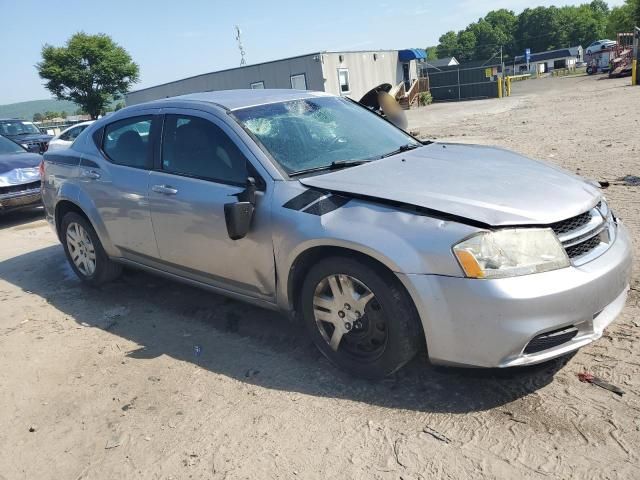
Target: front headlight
column 510, row 253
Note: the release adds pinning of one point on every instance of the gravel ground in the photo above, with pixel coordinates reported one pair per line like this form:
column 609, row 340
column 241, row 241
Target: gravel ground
column 146, row 378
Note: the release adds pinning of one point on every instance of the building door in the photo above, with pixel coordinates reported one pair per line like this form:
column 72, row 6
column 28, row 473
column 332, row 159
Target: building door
column 405, row 76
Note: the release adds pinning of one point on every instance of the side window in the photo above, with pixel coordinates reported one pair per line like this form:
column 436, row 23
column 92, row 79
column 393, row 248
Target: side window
column 196, row 147
column 71, row 134
column 127, row 142
column 299, row 82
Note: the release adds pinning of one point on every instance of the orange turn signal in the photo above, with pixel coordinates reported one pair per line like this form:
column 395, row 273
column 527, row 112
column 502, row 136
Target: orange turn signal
column 469, row 264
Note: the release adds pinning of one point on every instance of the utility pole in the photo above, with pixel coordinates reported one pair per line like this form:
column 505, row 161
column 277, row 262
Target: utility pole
column 501, row 70
column 243, row 62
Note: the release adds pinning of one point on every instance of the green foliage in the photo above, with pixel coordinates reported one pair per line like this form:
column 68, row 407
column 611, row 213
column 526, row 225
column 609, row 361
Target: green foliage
column 540, row 29
column 620, row 20
column 425, row 98
column 432, row 52
column 635, row 4
column 38, row 117
column 119, row 106
column 89, row 70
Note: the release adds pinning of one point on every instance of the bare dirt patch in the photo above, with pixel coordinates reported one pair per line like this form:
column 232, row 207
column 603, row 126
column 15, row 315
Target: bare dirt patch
column 146, row 378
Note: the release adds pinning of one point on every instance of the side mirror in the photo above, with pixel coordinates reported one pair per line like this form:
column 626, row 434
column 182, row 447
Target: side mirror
column 238, row 215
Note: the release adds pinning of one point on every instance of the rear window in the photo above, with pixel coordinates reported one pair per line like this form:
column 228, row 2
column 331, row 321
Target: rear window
column 127, row 142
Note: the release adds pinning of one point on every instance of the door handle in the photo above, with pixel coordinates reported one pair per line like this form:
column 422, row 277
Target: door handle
column 164, row 189
column 92, row 174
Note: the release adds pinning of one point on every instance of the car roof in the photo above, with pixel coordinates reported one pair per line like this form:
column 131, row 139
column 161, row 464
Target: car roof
column 242, row 98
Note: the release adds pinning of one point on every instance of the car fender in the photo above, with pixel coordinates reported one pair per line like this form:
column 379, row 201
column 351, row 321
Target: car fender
column 404, row 241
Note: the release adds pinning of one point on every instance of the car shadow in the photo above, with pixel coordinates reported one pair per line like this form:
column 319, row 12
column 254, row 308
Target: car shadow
column 20, row 217
column 253, row 345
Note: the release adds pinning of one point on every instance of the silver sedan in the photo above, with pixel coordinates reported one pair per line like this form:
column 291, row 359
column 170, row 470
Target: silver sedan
column 379, row 243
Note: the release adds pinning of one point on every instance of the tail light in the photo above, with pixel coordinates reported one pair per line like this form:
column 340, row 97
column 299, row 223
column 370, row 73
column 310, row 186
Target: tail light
column 41, row 168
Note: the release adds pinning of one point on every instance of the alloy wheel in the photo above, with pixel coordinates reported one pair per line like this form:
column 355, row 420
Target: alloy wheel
column 81, row 249
column 349, row 317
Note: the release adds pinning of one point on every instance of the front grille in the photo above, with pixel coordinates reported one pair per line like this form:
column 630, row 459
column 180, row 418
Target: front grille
column 571, row 224
column 584, row 233
column 548, row 340
column 19, row 188
column 42, row 146
column 584, row 247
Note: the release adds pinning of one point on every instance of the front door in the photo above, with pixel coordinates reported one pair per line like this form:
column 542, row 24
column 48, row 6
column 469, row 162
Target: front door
column 405, row 76
column 202, row 166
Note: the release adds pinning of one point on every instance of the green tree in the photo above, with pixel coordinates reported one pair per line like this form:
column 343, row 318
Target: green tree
column 620, row 20
column 38, row 117
column 505, row 22
column 635, row 4
column 63, row 114
column 119, row 106
column 48, row 115
column 466, row 46
column 539, row 29
column 448, row 45
column 89, row 70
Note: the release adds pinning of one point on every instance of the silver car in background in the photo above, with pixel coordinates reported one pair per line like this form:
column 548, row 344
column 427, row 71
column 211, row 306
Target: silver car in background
column 379, row 243
column 65, row 138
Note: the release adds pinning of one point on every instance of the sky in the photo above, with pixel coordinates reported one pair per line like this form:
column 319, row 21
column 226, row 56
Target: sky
column 177, row 39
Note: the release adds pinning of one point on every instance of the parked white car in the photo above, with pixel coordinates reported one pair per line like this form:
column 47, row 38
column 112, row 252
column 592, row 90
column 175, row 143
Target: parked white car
column 599, row 45
column 67, row 136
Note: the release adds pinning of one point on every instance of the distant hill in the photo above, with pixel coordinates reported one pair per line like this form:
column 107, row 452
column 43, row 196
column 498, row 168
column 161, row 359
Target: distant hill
column 25, row 110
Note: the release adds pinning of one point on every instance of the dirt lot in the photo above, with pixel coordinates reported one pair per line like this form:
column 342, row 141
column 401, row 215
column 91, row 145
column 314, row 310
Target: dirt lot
column 151, row 379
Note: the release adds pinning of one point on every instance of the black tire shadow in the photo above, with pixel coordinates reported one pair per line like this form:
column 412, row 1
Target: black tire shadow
column 253, row 345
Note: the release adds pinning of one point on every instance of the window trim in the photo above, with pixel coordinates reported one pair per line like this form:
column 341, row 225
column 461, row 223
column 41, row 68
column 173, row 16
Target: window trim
column 295, row 75
column 260, row 82
column 157, row 167
column 343, row 69
column 150, row 155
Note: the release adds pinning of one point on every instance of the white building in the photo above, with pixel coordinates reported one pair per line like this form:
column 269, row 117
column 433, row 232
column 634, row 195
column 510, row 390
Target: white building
column 548, row 61
column 342, row 73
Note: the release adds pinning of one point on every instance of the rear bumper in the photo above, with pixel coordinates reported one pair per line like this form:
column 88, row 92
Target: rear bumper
column 489, row 323
column 23, row 199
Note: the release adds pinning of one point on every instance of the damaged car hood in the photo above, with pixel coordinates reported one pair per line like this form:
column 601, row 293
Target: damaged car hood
column 488, row 185
column 19, row 168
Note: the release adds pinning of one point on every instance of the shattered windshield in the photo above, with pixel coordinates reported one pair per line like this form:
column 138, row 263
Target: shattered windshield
column 317, row 132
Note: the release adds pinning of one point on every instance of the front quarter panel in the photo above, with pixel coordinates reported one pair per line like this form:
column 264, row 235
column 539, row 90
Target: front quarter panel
column 404, row 241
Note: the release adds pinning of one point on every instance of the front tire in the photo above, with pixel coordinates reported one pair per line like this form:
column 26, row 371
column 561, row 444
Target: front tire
column 360, row 317
column 85, row 253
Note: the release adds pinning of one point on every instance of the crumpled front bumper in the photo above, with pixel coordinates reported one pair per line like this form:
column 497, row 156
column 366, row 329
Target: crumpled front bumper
column 29, row 197
column 488, row 323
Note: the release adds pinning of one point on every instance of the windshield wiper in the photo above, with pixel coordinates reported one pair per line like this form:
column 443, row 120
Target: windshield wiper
column 402, row 148
column 337, row 165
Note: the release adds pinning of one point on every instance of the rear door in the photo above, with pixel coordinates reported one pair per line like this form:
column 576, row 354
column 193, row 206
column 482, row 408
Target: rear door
column 202, row 165
column 117, row 181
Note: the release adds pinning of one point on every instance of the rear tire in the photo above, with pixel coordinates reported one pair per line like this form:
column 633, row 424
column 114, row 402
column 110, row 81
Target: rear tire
column 370, row 328
column 85, row 253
